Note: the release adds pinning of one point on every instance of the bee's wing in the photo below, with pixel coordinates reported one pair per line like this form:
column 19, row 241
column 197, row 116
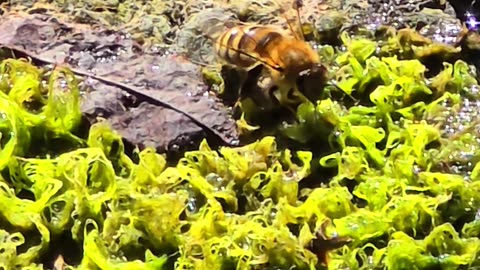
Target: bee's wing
column 265, row 57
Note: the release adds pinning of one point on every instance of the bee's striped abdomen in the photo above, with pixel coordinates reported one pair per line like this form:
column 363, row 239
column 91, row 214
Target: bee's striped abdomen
column 243, row 46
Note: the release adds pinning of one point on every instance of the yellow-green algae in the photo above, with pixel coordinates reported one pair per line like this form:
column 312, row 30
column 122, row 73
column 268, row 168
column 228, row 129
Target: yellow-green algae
column 242, row 208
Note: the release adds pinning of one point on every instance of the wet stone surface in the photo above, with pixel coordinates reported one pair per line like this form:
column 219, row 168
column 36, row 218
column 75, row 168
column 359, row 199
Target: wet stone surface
column 430, row 17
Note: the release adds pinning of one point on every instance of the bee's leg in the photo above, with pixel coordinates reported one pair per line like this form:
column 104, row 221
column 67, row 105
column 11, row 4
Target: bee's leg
column 282, row 95
column 233, row 79
column 242, row 78
column 292, row 95
column 301, row 98
column 256, row 87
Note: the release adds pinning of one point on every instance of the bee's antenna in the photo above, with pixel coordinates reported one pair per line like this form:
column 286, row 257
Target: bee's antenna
column 297, row 33
column 297, row 4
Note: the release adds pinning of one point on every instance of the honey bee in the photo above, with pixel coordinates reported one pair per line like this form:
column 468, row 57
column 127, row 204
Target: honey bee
column 286, row 55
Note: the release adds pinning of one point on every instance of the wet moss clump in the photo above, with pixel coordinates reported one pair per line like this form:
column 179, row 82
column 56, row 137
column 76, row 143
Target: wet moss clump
column 394, row 200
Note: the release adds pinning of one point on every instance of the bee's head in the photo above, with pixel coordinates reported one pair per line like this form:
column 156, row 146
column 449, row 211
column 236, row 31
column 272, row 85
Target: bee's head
column 311, row 81
column 298, row 57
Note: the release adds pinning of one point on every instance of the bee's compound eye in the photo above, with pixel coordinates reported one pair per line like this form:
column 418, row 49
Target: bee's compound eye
column 311, row 81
